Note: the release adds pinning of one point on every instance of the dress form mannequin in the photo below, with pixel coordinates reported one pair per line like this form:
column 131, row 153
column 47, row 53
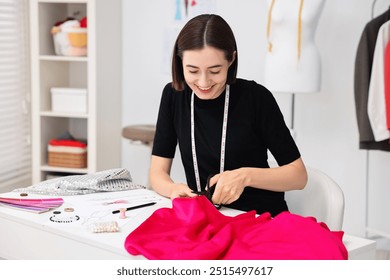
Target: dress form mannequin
column 293, row 62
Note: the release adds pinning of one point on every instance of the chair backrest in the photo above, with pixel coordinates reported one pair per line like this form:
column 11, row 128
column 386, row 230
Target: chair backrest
column 322, row 198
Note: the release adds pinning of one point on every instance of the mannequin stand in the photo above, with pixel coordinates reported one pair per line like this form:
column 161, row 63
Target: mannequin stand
column 292, row 116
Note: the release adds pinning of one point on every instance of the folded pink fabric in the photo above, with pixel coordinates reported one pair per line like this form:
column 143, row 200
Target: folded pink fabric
column 194, row 229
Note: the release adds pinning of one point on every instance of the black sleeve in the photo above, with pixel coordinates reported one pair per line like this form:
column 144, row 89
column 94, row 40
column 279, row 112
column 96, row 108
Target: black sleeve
column 165, row 139
column 276, row 134
column 362, row 75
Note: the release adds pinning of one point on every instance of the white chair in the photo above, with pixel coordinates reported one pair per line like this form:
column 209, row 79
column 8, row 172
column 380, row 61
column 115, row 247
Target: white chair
column 322, row 198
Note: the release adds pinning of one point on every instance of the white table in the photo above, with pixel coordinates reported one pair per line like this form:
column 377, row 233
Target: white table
column 25, row 235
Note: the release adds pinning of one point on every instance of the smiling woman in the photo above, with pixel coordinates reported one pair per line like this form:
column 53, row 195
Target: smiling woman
column 223, row 125
column 15, row 150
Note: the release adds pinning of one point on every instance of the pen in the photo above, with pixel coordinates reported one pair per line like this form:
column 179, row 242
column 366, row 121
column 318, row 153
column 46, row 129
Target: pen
column 135, row 207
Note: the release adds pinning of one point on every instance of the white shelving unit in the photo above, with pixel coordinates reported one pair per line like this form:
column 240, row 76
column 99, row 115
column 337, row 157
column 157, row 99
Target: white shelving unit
column 99, row 72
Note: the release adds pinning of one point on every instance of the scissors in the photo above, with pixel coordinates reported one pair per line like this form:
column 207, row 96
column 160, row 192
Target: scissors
column 208, row 192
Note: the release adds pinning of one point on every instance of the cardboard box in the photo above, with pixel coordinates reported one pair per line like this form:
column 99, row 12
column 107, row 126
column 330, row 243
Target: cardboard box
column 69, row 100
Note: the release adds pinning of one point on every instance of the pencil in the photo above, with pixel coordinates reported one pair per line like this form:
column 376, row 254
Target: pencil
column 135, row 207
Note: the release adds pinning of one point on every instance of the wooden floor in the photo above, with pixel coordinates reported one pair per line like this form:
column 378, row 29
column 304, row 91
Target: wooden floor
column 382, row 255
column 382, row 248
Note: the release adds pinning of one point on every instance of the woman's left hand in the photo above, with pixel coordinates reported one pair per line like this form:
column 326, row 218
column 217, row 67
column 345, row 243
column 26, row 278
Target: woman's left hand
column 229, row 186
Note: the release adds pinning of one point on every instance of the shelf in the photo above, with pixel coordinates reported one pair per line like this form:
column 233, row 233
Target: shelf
column 99, row 73
column 63, row 58
column 63, row 115
column 63, row 1
column 64, row 169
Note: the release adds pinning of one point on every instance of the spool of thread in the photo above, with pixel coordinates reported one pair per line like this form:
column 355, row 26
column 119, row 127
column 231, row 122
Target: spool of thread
column 122, row 213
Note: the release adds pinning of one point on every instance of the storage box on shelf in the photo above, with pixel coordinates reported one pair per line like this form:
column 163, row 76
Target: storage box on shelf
column 67, row 152
column 69, row 100
column 70, row 38
column 71, row 160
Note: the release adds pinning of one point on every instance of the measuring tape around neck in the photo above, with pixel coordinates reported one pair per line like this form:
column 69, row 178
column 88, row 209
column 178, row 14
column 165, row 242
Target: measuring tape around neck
column 223, row 138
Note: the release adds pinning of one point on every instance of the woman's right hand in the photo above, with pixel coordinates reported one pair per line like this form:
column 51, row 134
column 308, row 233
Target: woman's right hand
column 161, row 181
column 181, row 190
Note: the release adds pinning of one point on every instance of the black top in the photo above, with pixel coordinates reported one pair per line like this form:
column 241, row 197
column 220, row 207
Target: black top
column 255, row 125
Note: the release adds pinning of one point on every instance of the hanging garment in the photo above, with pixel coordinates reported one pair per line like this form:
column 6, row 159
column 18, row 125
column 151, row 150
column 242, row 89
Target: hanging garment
column 362, row 75
column 194, row 229
column 376, row 106
column 387, row 84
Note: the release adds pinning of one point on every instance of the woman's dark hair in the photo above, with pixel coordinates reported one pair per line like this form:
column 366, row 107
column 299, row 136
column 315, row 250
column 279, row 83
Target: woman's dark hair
column 204, row 30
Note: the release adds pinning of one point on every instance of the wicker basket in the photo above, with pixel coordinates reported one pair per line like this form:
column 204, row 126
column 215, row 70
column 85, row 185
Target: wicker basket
column 71, row 160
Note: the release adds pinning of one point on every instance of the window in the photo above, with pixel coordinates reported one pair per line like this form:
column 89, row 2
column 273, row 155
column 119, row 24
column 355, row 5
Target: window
column 15, row 148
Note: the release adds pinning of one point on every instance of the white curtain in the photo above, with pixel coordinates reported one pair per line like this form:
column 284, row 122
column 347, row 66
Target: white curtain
column 15, row 148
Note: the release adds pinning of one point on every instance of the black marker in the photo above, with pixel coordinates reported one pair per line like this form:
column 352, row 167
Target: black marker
column 135, row 207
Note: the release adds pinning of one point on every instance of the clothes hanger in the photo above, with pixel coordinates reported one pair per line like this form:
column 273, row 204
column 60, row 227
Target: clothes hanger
column 373, row 8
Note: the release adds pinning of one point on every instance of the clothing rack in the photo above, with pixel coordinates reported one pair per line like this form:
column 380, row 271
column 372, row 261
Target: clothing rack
column 367, row 230
column 367, row 183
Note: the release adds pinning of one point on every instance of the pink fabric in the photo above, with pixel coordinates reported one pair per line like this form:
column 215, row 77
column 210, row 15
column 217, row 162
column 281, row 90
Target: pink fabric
column 195, row 229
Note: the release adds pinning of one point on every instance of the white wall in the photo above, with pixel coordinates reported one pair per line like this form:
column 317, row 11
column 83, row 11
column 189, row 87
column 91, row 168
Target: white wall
column 325, row 122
